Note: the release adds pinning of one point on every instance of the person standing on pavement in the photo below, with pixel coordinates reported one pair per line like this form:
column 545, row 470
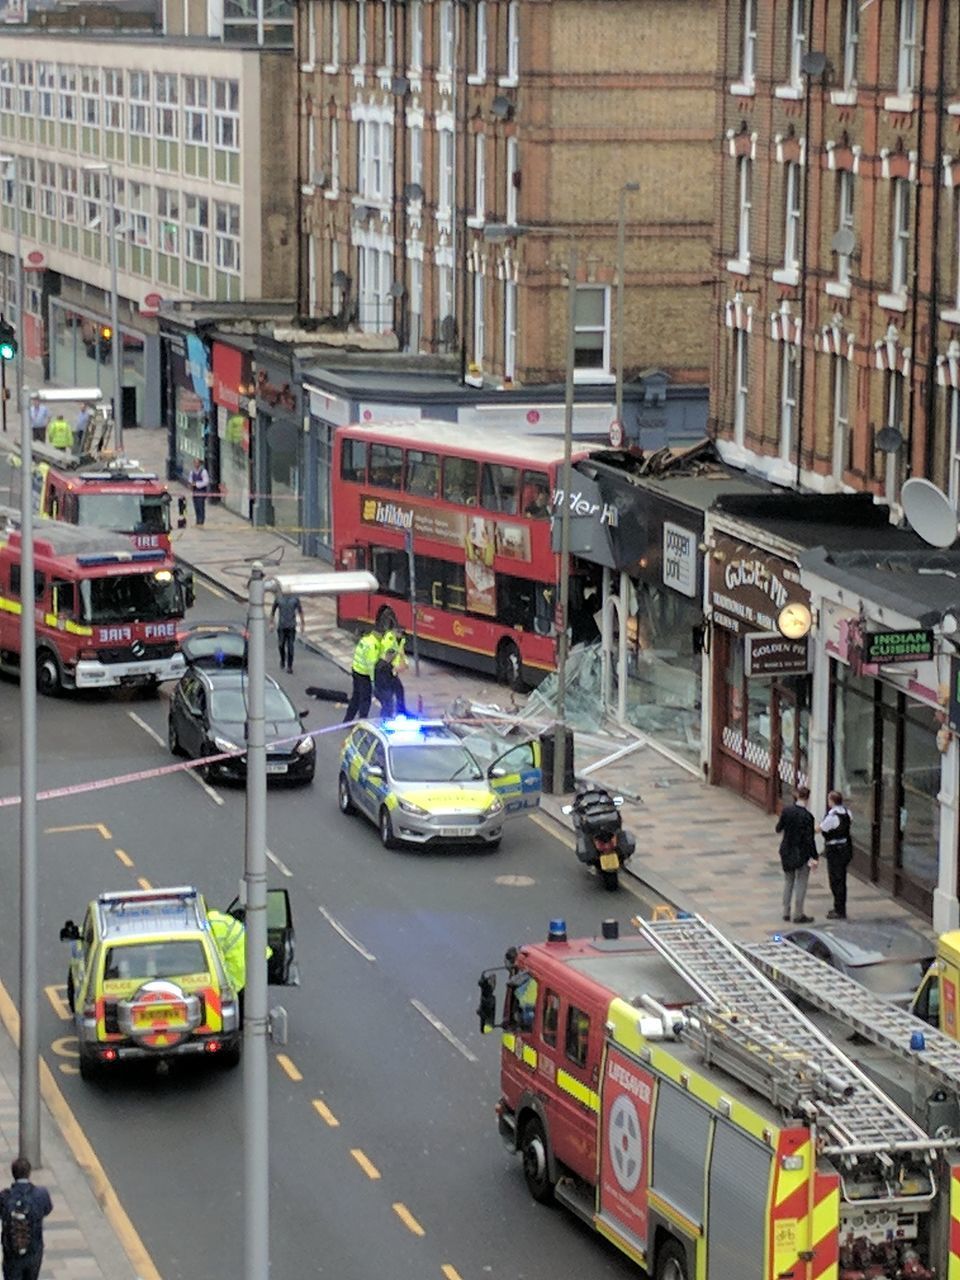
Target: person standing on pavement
column 286, row 610
column 383, row 680
column 23, row 1208
column 199, row 480
column 397, row 641
column 838, row 846
column 798, row 853
column 59, row 433
column 365, row 657
column 39, row 418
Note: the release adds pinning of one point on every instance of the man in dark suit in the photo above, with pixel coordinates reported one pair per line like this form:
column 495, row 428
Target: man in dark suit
column 798, row 853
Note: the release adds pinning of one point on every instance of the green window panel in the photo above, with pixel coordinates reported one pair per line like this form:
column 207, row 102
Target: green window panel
column 141, row 261
column 196, row 161
column 226, row 167
column 68, row 137
column 48, row 231
column 196, row 279
column 168, row 270
column 90, row 245
column 69, row 237
column 227, row 287
column 113, row 146
column 27, row 131
column 168, row 156
column 90, row 140
column 47, row 133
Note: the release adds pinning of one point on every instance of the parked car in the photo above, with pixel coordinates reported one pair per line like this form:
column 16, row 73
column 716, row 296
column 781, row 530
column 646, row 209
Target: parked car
column 888, row 957
column 208, row 714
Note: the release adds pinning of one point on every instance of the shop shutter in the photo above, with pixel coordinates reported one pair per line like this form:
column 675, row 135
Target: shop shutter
column 680, row 1135
column 737, row 1205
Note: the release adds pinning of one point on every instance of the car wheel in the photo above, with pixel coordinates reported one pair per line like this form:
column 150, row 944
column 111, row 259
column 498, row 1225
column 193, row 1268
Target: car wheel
column 173, row 742
column 494, row 844
column 89, row 1068
column 509, row 665
column 536, row 1164
column 387, row 838
column 230, row 1058
column 49, row 679
column 71, row 993
column 343, row 796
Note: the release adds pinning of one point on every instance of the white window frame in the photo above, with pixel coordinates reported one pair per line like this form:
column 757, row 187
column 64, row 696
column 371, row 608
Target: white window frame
column 513, row 168
column 445, row 173
column 415, row 19
column 227, row 239
column 66, row 94
column 479, row 178
column 335, row 13
column 513, row 45
column 594, row 373
column 166, row 98
column 479, row 319
column 744, row 207
column 510, row 325
column 69, row 192
column 415, row 133
column 25, row 87
column 415, row 266
column 226, row 114
column 748, row 46
column 47, row 187
column 850, row 42
column 389, row 35
column 445, row 38
column 953, row 427
column 896, row 396
column 113, row 100
column 479, row 74
column 46, row 91
column 196, row 233
column 900, row 231
column 139, row 92
column 840, row 413
column 92, row 205
column 169, row 225
column 361, row 34
column 196, row 112
column 334, row 135
column 789, row 374
column 792, row 185
column 443, row 272
column 741, row 385
column 907, row 48
column 845, row 220
column 141, row 219
column 797, row 38
column 90, row 97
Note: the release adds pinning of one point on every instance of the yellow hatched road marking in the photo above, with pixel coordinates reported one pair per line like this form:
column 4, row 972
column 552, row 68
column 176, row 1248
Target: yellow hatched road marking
column 325, row 1113
column 82, row 826
column 57, row 995
column 144, row 883
column 124, row 857
column 289, row 1067
column 368, row 1167
column 66, row 1046
column 450, row 1272
column 408, row 1220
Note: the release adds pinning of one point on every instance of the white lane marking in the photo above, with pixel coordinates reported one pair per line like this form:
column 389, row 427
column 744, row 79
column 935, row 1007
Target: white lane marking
column 279, row 863
column 215, row 796
column 346, row 936
column 214, row 591
column 444, row 1030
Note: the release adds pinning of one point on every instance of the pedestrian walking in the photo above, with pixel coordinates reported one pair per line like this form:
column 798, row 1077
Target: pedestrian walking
column 838, row 847
column 798, row 853
column 23, row 1208
column 284, row 615
column 365, row 656
column 383, row 682
column 39, row 418
column 59, row 434
column 199, row 480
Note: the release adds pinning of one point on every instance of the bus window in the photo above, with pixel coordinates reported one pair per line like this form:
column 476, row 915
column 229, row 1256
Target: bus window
column 353, row 461
column 516, row 602
column 386, row 466
column 441, row 584
column 391, row 569
column 423, row 473
column 499, row 487
column 535, row 499
column 460, row 481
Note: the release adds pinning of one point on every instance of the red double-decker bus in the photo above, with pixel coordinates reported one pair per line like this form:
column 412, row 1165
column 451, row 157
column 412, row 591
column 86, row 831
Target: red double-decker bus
column 476, row 515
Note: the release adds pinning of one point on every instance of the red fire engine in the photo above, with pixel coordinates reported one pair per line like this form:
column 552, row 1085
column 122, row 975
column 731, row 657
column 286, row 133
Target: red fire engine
column 666, row 1090
column 110, row 493
column 105, row 614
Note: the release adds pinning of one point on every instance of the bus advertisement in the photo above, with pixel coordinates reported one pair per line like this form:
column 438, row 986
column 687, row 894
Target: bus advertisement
column 472, row 521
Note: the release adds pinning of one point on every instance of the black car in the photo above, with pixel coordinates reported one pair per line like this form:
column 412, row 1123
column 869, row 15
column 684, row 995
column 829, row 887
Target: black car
column 208, row 713
column 213, row 645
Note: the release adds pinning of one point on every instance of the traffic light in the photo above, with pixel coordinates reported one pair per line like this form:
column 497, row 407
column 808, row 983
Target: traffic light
column 8, row 341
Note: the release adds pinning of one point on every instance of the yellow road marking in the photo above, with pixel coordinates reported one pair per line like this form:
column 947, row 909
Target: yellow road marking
column 325, row 1113
column 213, row 591
column 57, row 995
column 82, row 826
column 124, row 857
column 68, row 1068
column 366, row 1165
column 451, row 1273
column 83, row 1153
column 144, row 883
column 288, row 1067
column 408, row 1220
column 553, row 828
column 67, row 1047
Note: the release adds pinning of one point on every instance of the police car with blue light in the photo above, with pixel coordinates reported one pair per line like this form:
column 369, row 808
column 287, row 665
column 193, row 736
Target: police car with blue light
column 421, row 784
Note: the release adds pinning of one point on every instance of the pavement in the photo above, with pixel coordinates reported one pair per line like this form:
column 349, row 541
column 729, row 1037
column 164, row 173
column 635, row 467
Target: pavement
column 699, row 848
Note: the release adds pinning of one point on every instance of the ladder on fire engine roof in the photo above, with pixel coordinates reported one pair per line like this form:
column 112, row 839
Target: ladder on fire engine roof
column 876, row 1019
column 754, row 1031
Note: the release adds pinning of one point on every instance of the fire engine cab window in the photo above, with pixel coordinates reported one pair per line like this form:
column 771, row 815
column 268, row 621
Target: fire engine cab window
column 386, row 466
column 499, row 487
column 551, row 1018
column 39, row 581
column 64, row 599
column 460, row 481
column 525, row 1002
column 423, row 473
column 353, row 461
column 125, row 512
column 140, row 596
column 578, row 1036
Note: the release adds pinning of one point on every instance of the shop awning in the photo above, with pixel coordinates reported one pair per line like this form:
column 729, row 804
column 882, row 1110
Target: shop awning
column 919, row 583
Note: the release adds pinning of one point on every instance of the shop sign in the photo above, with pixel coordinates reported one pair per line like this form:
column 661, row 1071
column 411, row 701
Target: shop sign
column 680, row 559
column 232, row 376
column 771, row 654
column 882, row 647
column 749, row 588
column 480, row 537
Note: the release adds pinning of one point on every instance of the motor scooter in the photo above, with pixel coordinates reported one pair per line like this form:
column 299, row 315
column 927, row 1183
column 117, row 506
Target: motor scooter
column 602, row 841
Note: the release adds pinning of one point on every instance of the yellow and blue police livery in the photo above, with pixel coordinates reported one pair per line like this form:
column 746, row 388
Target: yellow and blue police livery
column 420, row 784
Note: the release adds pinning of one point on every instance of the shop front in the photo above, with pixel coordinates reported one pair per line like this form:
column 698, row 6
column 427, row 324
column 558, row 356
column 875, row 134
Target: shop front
column 276, row 450
column 81, row 355
column 233, row 399
column 759, row 676
column 327, row 412
column 190, row 406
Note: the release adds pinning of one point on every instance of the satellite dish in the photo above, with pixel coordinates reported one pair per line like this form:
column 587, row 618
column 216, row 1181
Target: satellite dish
column 888, row 440
column 844, row 242
column 929, row 512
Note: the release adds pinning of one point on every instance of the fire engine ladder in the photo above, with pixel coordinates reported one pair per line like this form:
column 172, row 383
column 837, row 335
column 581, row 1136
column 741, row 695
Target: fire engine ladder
column 874, row 1018
column 770, row 1042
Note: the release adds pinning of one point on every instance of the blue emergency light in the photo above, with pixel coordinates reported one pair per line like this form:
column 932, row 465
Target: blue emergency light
column 400, row 723
column 557, row 930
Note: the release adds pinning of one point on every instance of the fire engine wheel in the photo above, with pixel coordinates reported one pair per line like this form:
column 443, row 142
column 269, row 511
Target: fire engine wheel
column 387, row 838
column 671, row 1262
column 49, row 679
column 509, row 665
column 343, row 795
column 536, row 1165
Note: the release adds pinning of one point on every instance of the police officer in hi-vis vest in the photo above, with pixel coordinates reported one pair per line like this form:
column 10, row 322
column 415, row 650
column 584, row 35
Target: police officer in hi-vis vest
column 365, row 658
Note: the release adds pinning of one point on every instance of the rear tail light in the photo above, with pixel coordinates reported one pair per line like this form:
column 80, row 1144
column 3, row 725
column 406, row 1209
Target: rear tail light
column 213, row 1046
column 108, row 1055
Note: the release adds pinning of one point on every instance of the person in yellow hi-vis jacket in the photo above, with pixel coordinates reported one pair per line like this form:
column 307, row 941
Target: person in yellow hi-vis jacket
column 397, row 641
column 365, row 658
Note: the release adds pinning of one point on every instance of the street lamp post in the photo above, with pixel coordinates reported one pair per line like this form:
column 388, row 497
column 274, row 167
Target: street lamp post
column 627, row 187
column 116, row 344
column 563, row 647
column 256, row 1162
column 11, row 175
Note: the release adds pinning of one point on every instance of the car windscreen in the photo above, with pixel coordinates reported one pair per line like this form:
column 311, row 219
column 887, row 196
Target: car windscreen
column 433, row 764
column 890, row 979
column 217, row 648
column 174, row 959
column 140, row 597
column 231, row 705
column 125, row 512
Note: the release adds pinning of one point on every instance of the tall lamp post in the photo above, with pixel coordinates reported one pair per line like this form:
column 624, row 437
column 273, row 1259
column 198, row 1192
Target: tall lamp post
column 10, row 175
column 625, row 190
column 563, row 648
column 116, row 343
column 256, row 1163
